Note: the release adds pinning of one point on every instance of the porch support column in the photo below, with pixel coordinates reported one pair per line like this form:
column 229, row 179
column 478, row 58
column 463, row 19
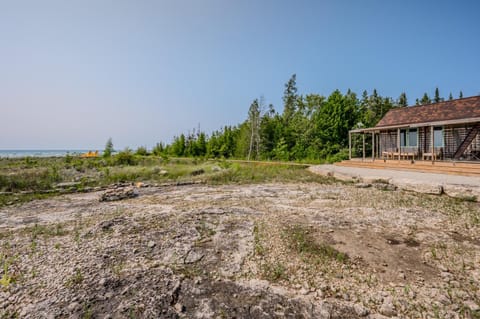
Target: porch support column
column 432, row 140
column 373, row 146
column 398, row 143
column 363, row 148
column 349, row 145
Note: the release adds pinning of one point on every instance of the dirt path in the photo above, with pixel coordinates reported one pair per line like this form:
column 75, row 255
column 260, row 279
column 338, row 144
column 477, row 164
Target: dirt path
column 260, row 251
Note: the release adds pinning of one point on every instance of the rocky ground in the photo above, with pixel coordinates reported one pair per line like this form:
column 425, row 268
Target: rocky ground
column 301, row 250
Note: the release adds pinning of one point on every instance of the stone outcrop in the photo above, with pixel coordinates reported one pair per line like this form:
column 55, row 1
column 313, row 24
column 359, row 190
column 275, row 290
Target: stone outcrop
column 119, row 193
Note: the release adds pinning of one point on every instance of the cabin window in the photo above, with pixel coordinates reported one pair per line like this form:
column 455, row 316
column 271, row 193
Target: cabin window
column 409, row 137
column 438, row 136
column 412, row 137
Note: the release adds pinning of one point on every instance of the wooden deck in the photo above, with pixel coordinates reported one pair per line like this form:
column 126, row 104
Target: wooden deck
column 441, row 167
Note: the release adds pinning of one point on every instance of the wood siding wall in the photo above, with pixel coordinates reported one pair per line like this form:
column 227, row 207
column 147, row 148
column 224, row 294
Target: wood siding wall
column 453, row 136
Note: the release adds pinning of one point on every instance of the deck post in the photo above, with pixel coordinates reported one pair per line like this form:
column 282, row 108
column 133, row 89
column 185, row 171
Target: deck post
column 373, row 146
column 398, row 143
column 363, row 148
column 432, row 139
column 349, row 145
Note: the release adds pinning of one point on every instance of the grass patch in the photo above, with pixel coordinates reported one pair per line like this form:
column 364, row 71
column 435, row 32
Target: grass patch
column 22, row 180
column 204, row 230
column 245, row 173
column 257, row 238
column 274, row 272
column 45, row 231
column 299, row 240
column 75, row 280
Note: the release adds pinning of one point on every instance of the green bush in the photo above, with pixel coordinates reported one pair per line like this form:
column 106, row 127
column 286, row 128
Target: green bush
column 338, row 157
column 142, row 151
column 125, row 157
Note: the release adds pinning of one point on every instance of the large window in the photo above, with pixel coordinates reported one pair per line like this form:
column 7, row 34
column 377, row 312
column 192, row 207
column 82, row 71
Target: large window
column 409, row 137
column 412, row 137
column 438, row 136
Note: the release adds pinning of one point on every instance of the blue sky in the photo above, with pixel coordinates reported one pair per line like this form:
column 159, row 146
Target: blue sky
column 73, row 73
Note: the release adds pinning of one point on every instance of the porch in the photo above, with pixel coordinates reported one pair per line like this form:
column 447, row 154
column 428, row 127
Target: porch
column 449, row 142
column 463, row 168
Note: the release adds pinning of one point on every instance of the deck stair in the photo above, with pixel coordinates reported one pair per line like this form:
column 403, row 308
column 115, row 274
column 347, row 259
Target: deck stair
column 441, row 167
column 467, row 141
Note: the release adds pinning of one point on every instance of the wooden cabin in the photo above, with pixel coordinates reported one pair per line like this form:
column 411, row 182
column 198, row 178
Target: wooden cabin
column 444, row 131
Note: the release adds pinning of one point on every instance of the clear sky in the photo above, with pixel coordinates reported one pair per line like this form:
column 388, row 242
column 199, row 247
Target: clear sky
column 73, row 73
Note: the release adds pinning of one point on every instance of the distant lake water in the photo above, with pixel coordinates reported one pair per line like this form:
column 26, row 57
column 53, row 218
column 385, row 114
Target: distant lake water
column 39, row 153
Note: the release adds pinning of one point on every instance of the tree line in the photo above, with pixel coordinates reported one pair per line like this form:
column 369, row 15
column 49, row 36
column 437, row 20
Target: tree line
column 311, row 127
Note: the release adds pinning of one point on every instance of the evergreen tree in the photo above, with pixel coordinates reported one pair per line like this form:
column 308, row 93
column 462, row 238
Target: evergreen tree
column 107, row 152
column 270, row 126
column 201, row 144
column 158, row 149
column 402, row 100
column 460, row 96
column 311, row 127
column 437, row 97
column 290, row 98
column 450, row 96
column 178, row 146
column 425, row 99
column 335, row 118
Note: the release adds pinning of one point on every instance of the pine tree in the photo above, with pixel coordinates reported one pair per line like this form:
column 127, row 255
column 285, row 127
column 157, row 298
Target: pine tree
column 290, row 98
column 437, row 97
column 425, row 99
column 178, row 146
column 108, row 148
column 402, row 100
column 450, row 96
column 201, row 144
column 460, row 96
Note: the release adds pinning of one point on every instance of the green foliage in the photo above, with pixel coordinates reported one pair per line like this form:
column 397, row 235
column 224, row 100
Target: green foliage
column 425, row 99
column 263, row 172
column 158, row 149
column 274, row 271
column 141, row 151
column 107, row 152
column 311, row 128
column 125, row 157
column 402, row 100
column 290, row 98
column 7, row 277
column 30, row 179
column 437, row 97
column 75, row 280
column 178, row 146
column 281, row 150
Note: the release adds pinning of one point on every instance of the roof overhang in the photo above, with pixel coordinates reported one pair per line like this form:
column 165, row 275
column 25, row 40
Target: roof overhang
column 413, row 125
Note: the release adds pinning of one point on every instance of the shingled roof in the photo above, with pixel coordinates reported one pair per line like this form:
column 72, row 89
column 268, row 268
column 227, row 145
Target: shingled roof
column 466, row 108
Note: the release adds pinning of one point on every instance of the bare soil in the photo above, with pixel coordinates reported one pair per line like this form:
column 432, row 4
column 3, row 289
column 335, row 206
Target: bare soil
column 300, row 250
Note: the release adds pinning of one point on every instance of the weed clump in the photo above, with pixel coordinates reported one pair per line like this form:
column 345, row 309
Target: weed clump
column 300, row 241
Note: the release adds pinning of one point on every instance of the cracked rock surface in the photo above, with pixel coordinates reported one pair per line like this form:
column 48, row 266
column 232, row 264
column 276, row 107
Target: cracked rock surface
column 242, row 251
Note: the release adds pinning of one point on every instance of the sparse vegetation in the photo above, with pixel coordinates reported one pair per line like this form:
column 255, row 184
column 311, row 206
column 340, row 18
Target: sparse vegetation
column 75, row 279
column 26, row 179
column 274, row 271
column 300, row 241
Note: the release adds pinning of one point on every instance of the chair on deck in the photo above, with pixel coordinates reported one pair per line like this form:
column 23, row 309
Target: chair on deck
column 437, row 153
